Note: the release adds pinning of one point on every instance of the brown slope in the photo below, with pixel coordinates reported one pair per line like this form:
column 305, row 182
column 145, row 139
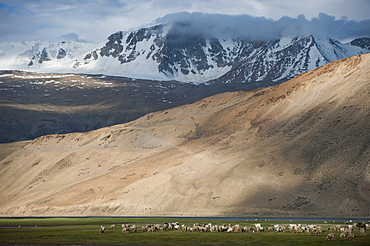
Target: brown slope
column 301, row 148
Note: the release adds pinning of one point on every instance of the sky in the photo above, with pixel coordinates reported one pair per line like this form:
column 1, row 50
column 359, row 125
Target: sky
column 95, row 20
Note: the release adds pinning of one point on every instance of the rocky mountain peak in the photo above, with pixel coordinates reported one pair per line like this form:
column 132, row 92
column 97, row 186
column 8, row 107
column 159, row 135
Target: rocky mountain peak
column 364, row 43
column 180, row 52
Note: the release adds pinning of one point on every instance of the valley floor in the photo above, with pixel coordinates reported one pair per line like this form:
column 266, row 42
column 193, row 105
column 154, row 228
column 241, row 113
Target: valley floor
column 85, row 231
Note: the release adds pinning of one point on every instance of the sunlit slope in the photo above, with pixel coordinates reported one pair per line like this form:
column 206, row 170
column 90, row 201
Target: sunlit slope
column 301, row 148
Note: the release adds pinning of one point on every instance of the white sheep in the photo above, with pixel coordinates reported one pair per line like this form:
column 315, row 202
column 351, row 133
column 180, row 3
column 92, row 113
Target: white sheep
column 343, row 235
column 150, row 229
column 330, row 237
column 132, row 228
column 102, row 229
column 351, row 236
column 258, row 226
column 363, row 231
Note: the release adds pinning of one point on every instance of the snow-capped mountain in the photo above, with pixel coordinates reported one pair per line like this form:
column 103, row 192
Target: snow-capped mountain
column 41, row 56
column 165, row 52
column 279, row 60
column 172, row 52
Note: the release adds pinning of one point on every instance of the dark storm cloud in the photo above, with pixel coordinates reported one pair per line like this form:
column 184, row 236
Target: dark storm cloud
column 260, row 28
column 95, row 20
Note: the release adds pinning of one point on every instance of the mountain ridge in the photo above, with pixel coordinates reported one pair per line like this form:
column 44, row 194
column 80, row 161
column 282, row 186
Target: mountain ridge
column 177, row 52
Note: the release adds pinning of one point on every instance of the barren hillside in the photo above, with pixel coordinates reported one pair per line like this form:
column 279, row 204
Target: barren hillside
column 301, row 148
column 35, row 104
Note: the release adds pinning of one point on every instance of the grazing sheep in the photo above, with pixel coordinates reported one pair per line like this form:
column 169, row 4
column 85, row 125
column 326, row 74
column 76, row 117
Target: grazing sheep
column 259, row 228
column 317, row 230
column 292, row 227
column 132, row 228
column 204, row 228
column 281, row 228
column 230, row 229
column 351, row 236
column 129, row 228
column 167, row 226
column 299, row 230
column 150, row 229
column 248, row 229
column 112, row 227
column 214, row 228
column 102, row 229
column 330, row 237
column 309, row 230
column 348, row 230
column 343, row 235
column 332, row 228
column 363, row 231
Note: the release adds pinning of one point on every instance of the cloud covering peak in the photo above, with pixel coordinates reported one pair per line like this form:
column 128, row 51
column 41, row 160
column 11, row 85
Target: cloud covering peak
column 261, row 28
column 93, row 21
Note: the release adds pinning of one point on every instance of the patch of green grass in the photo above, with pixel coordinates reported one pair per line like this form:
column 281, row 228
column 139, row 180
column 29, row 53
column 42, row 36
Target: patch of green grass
column 58, row 231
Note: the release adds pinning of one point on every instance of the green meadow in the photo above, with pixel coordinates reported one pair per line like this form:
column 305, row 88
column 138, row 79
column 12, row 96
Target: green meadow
column 85, row 231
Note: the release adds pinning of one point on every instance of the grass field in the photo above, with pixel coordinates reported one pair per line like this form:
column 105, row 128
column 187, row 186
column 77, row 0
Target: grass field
column 85, row 231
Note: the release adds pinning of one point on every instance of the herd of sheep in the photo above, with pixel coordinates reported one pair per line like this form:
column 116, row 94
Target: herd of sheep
column 347, row 232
